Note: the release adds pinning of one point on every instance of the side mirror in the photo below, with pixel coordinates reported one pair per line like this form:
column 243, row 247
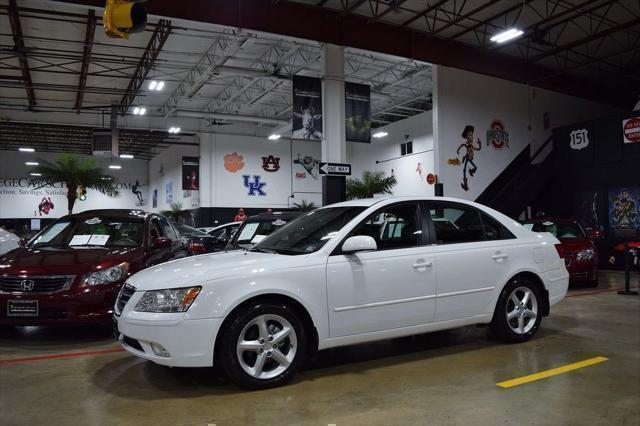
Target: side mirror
column 160, row 242
column 359, row 243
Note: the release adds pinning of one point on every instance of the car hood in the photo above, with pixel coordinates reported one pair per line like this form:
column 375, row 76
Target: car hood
column 207, row 267
column 64, row 260
column 575, row 244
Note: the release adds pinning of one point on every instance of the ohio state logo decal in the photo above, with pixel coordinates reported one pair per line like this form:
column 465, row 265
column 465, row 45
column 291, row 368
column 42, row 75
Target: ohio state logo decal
column 497, row 135
column 271, row 163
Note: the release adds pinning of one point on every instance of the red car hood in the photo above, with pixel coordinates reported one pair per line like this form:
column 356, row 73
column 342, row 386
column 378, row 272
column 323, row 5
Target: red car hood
column 66, row 261
column 576, row 244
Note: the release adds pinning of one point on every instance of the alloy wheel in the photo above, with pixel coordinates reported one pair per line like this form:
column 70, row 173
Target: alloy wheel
column 522, row 310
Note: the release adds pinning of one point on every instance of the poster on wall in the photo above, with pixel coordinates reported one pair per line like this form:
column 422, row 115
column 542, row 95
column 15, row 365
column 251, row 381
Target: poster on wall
column 190, row 173
column 155, row 198
column 357, row 108
column 624, row 212
column 307, row 108
column 631, row 130
column 168, row 192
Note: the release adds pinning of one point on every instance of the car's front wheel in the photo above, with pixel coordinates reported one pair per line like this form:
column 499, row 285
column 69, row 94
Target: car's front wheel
column 518, row 312
column 263, row 345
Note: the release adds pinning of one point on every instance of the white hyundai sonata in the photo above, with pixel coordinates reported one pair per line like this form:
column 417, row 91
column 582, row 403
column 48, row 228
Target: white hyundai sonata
column 347, row 273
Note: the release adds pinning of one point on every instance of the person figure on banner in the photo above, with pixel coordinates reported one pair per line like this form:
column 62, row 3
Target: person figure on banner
column 136, row 190
column 467, row 159
column 240, row 217
column 45, row 206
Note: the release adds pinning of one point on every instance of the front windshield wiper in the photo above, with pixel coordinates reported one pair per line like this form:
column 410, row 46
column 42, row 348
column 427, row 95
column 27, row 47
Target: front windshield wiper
column 262, row 250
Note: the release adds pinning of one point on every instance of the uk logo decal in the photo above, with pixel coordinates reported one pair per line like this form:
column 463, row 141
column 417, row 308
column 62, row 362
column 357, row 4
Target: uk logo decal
column 271, row 163
column 256, row 187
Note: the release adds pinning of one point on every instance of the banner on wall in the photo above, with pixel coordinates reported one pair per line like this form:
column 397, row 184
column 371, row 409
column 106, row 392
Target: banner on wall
column 357, row 108
column 190, row 173
column 307, row 108
column 624, row 212
column 631, row 130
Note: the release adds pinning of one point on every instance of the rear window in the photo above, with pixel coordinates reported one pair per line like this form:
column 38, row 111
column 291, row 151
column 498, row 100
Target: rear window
column 560, row 229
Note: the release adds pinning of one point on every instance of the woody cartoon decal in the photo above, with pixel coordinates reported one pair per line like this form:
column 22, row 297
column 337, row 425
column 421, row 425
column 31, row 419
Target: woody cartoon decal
column 468, row 148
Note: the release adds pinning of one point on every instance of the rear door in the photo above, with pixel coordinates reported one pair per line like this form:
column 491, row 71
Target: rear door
column 179, row 247
column 471, row 252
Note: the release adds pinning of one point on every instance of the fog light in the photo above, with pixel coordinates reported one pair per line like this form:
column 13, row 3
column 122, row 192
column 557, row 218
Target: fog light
column 160, row 350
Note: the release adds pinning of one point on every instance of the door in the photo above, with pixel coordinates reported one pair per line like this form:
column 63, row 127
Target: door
column 391, row 287
column 472, row 253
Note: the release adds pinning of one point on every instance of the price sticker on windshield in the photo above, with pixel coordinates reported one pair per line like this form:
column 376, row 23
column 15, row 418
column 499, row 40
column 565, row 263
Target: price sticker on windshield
column 93, row 221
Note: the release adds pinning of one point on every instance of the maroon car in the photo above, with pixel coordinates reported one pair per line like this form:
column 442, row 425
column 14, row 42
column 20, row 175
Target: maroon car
column 580, row 253
column 71, row 271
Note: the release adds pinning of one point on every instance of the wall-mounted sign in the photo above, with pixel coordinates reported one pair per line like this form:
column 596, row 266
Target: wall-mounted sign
column 307, row 108
column 233, row 162
column 335, row 169
column 270, row 163
column 631, row 130
column 431, row 179
column 357, row 107
column 497, row 135
column 255, row 187
column 309, row 164
column 579, row 139
column 190, row 173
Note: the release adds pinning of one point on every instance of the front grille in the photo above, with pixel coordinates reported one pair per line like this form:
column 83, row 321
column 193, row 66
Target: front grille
column 35, row 284
column 132, row 343
column 125, row 294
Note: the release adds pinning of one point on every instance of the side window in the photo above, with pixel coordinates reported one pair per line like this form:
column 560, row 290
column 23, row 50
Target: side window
column 168, row 229
column 393, row 227
column 457, row 223
column 155, row 230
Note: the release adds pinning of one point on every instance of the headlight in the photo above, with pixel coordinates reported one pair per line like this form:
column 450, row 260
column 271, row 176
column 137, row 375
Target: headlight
column 107, row 276
column 586, row 254
column 170, row 300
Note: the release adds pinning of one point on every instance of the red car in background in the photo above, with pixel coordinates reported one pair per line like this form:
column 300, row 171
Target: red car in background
column 580, row 253
column 71, row 271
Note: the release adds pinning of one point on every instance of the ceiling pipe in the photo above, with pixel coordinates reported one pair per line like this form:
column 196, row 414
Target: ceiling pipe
column 231, row 117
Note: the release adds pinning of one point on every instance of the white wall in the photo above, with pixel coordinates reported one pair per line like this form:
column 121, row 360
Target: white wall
column 224, row 186
column 383, row 154
column 463, row 98
column 20, row 196
column 165, row 177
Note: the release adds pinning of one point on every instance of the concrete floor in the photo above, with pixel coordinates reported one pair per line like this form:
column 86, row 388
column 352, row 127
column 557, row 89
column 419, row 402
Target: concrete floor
column 446, row 378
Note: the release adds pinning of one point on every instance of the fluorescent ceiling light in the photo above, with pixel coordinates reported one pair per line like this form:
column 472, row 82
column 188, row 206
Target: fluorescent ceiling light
column 115, row 166
column 126, row 156
column 160, row 86
column 35, row 174
column 139, row 111
column 26, row 150
column 507, row 35
column 380, row 134
column 32, row 163
column 174, row 130
column 274, row 137
column 152, row 85
column 156, row 85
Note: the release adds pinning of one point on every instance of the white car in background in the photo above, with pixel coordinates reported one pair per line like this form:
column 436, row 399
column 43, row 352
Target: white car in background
column 8, row 241
column 348, row 273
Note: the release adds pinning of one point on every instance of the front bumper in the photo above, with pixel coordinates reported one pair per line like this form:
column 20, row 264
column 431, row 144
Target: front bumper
column 189, row 342
column 78, row 305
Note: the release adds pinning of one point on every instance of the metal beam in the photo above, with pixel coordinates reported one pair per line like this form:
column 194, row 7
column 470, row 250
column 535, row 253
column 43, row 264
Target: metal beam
column 86, row 58
column 21, row 51
column 158, row 38
column 423, row 13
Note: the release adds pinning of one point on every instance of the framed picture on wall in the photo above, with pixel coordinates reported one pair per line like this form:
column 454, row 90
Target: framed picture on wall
column 624, row 212
column 168, row 191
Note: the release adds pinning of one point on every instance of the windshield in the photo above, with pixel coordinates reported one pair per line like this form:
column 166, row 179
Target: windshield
column 94, row 231
column 564, row 229
column 188, row 231
column 253, row 231
column 310, row 232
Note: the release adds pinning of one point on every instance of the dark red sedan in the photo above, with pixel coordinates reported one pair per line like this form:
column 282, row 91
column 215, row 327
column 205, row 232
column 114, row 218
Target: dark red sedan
column 580, row 253
column 71, row 271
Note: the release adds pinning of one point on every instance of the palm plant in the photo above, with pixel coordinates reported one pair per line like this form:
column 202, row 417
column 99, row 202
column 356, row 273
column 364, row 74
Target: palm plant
column 176, row 213
column 372, row 183
column 75, row 172
column 305, row 206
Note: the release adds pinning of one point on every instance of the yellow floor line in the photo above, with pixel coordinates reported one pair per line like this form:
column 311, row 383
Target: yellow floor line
column 553, row 372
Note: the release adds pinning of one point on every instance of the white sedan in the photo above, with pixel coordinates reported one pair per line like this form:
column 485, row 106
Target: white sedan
column 347, row 273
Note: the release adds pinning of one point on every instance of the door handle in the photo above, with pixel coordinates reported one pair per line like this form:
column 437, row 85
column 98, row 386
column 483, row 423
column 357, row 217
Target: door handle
column 499, row 256
column 419, row 265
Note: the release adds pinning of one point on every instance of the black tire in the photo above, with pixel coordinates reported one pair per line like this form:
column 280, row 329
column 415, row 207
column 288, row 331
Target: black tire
column 500, row 325
column 228, row 357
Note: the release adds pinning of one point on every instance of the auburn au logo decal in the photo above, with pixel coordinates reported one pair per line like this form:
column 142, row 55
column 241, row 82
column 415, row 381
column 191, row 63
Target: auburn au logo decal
column 271, row 163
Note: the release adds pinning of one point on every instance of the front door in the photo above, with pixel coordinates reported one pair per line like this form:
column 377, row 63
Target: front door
column 391, row 287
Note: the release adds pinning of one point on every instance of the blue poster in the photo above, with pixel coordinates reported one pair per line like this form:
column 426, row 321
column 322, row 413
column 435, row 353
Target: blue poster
column 168, row 189
column 155, row 198
column 624, row 212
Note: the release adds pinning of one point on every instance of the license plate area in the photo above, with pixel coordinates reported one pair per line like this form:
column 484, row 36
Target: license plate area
column 22, row 308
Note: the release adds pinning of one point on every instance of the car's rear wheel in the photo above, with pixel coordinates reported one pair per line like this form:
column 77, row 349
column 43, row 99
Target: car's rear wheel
column 263, row 345
column 518, row 312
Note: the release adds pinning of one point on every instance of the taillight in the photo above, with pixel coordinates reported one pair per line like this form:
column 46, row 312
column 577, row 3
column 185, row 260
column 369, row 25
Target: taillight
column 560, row 250
column 198, row 248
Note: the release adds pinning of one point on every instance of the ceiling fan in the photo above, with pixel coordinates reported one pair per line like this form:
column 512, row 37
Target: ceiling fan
column 214, row 122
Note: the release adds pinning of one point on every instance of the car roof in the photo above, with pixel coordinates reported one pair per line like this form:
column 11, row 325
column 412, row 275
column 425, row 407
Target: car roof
column 368, row 202
column 120, row 213
column 550, row 219
column 286, row 215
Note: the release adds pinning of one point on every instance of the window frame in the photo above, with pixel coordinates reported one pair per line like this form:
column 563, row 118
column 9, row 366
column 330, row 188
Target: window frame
column 505, row 234
column 424, row 237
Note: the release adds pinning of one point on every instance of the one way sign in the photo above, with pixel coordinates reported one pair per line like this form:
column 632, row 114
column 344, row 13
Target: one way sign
column 335, row 169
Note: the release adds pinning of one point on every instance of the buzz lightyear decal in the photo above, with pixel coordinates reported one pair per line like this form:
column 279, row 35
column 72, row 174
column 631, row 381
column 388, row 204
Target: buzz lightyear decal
column 468, row 148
